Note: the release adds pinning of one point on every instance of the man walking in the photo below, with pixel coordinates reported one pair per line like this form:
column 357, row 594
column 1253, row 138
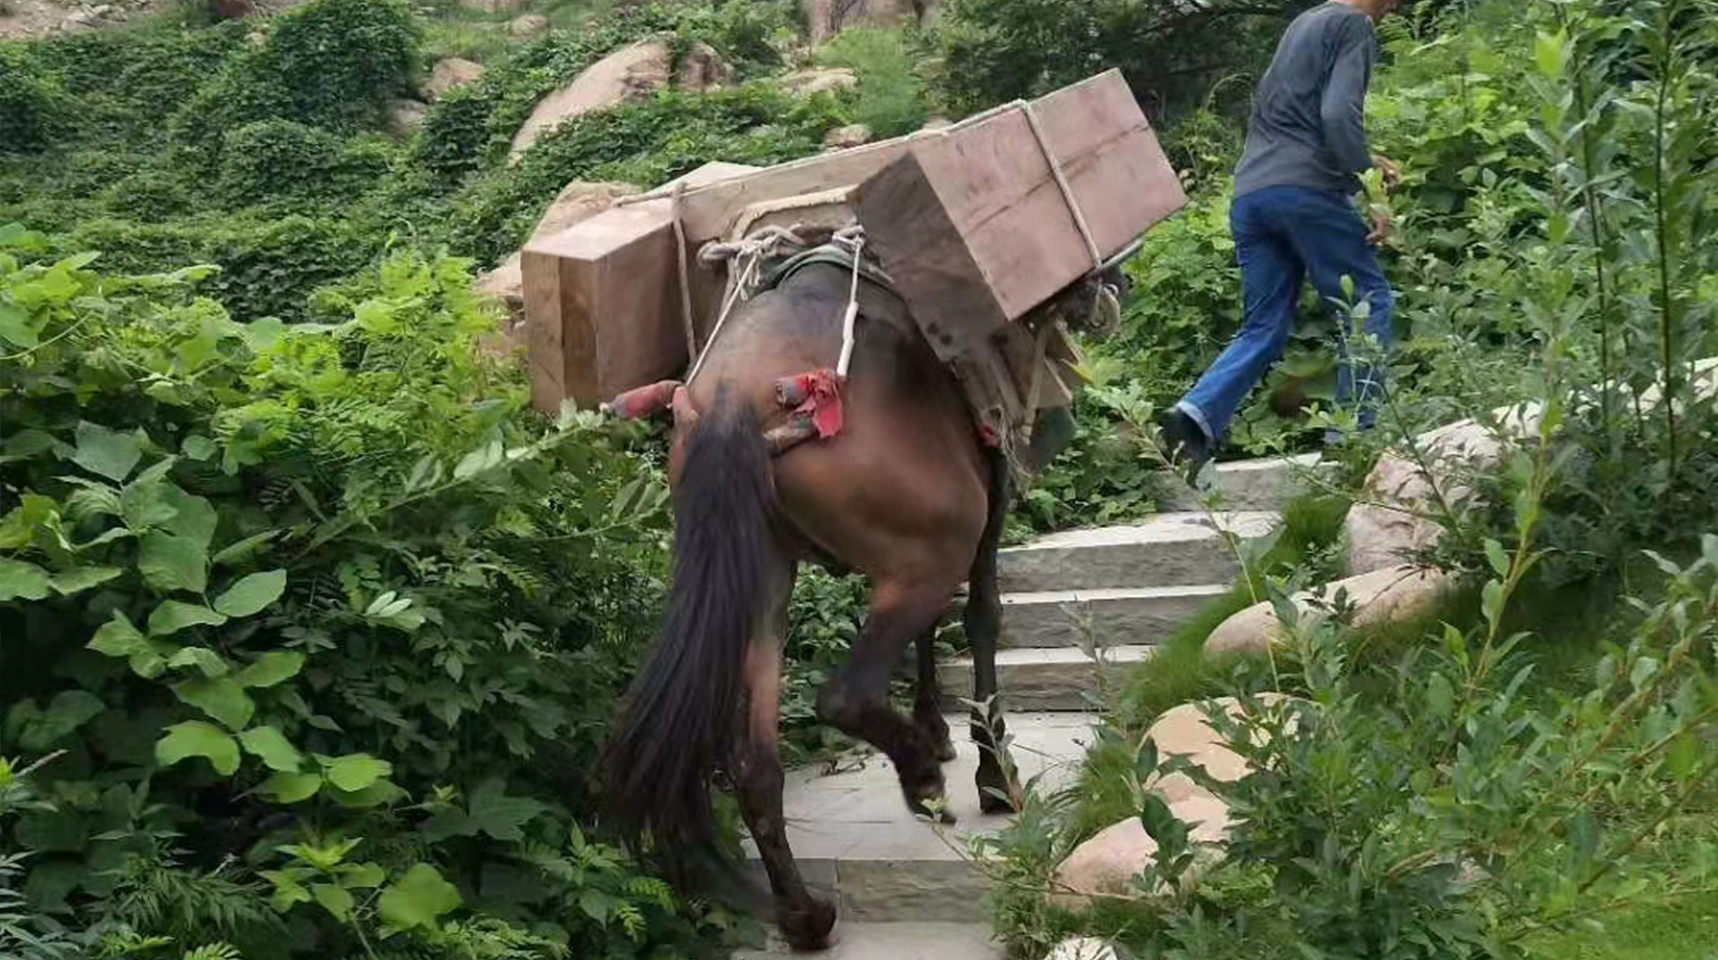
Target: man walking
column 1294, row 218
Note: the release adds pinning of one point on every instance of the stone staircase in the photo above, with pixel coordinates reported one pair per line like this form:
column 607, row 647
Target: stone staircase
column 907, row 889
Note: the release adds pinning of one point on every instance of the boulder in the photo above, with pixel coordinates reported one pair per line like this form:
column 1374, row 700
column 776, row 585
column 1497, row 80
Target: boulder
column 848, row 137
column 1183, row 731
column 404, row 116
column 1391, row 595
column 827, row 18
column 702, row 69
column 937, row 123
column 449, row 74
column 231, row 9
column 1082, row 948
column 816, row 80
column 630, row 73
column 1107, row 863
column 578, row 201
column 529, row 25
column 1397, row 513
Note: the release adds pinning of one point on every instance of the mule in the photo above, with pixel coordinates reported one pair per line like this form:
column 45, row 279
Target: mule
column 906, row 494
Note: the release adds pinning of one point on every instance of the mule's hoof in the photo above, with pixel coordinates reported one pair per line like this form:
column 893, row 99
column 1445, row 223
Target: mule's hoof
column 806, row 929
column 945, row 752
column 989, row 803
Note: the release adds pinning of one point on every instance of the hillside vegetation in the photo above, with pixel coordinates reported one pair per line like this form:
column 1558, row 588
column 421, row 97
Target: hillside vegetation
column 312, row 628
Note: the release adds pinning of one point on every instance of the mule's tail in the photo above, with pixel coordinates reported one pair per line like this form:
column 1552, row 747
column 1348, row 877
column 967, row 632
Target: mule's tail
column 682, row 719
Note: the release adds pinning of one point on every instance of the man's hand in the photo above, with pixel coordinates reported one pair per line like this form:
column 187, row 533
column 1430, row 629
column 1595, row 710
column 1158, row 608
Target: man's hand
column 1391, row 170
column 1382, row 225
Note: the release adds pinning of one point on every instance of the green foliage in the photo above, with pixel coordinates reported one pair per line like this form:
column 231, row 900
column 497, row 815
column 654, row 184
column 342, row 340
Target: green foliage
column 644, row 143
column 280, row 160
column 316, row 627
column 891, row 98
column 30, row 104
column 1000, row 50
column 329, row 63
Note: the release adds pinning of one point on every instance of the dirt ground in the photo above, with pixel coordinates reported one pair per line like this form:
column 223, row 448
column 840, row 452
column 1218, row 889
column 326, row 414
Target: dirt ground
column 27, row 19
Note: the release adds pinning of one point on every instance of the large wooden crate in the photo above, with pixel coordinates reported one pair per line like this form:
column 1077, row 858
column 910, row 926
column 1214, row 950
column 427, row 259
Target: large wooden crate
column 602, row 301
column 974, row 227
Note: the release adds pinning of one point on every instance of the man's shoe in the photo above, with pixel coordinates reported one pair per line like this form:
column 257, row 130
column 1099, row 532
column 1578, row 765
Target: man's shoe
column 1184, row 444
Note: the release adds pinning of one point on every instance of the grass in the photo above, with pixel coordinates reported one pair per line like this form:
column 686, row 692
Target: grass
column 1681, row 931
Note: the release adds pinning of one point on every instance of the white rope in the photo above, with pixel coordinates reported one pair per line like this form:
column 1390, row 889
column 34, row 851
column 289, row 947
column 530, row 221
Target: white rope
column 853, row 236
column 745, row 256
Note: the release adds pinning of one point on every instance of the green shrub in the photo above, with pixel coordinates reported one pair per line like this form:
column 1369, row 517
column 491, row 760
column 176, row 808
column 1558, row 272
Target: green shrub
column 891, row 96
column 329, row 64
column 268, row 267
column 645, row 143
column 30, row 104
column 314, row 630
column 1000, row 50
column 281, row 160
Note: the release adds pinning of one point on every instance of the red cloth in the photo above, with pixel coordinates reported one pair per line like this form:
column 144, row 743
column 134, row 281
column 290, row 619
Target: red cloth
column 818, row 395
column 644, row 401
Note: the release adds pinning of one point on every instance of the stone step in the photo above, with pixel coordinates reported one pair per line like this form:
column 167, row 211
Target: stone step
column 857, row 844
column 1143, row 615
column 1263, row 484
column 1045, row 678
column 924, row 940
column 1168, row 550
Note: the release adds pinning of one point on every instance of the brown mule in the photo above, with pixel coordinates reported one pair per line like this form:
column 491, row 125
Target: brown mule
column 905, row 494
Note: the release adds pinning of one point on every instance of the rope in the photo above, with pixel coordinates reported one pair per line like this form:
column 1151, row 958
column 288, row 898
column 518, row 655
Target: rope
column 685, row 274
column 1062, row 184
column 853, row 236
column 746, row 254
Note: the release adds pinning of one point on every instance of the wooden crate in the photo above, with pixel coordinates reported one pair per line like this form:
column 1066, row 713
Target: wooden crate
column 974, row 228
column 602, row 301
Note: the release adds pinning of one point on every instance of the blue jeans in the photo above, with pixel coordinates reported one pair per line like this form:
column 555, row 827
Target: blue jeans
column 1284, row 235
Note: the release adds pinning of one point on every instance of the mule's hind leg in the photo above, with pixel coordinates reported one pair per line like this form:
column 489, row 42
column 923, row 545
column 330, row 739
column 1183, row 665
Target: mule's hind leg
column 998, row 789
column 804, row 920
column 928, row 700
column 856, row 700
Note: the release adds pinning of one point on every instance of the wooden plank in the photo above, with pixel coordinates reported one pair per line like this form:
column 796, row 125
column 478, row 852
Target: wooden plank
column 710, row 210
column 602, row 301
column 976, row 231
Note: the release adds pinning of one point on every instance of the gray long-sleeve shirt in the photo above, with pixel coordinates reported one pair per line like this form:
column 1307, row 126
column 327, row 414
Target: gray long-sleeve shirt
column 1307, row 124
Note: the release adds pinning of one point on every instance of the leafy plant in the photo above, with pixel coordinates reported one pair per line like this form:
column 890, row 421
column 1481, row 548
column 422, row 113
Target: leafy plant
column 279, row 588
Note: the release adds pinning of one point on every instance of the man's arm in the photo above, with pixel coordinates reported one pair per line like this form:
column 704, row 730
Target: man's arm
column 1342, row 110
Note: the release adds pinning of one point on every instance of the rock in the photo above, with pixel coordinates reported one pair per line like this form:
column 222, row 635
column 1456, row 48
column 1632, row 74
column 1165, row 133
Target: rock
column 496, row 6
column 577, row 201
column 1394, row 518
column 404, row 116
column 829, row 17
column 256, row 38
column 1108, row 862
column 449, row 74
column 831, row 80
column 1391, row 595
column 1183, row 731
column 848, row 137
column 1082, row 948
column 231, row 9
column 702, row 69
column 529, row 25
column 937, row 123
column 631, row 73
column 1398, row 512
column 106, row 11
column 80, row 20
